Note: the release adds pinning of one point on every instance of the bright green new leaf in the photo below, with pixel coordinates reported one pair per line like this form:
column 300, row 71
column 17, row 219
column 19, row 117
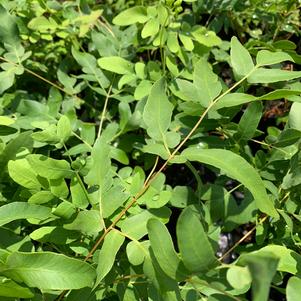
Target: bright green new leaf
column 116, row 64
column 293, row 289
column 162, row 246
column 136, row 14
column 107, row 254
column 21, row 210
column 238, row 168
column 265, row 76
column 22, row 173
column 206, row 82
column 157, row 112
column 151, row 28
column 49, row 271
column 49, row 168
column 241, row 59
column 205, row 37
column 265, row 57
column 196, row 251
column 9, row 288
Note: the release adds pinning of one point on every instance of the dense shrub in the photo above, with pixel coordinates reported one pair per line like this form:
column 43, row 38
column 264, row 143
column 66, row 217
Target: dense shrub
column 150, row 150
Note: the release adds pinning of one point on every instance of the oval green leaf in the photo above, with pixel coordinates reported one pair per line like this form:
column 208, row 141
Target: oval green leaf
column 237, row 168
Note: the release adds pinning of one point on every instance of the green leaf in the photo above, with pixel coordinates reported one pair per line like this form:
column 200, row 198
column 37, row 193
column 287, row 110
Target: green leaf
column 7, row 79
column 262, row 269
column 64, row 128
column 151, row 28
column 137, row 14
column 278, row 94
column 49, row 168
column 265, row 57
column 22, row 173
column 99, row 173
column 116, row 64
column 241, row 59
column 249, row 121
column 19, row 210
column 288, row 137
column 49, row 271
column 206, row 82
column 8, row 28
column 78, row 193
column 106, row 257
column 9, row 288
column 237, row 168
column 54, row 234
column 233, row 99
column 206, row 37
column 293, row 289
column 7, row 130
column 136, row 251
column 162, row 246
column 157, row 112
column 196, row 251
column 89, row 65
column 87, row 222
column 239, row 277
column 265, row 76
column 136, row 225
column 294, row 119
column 172, row 42
column 289, row 260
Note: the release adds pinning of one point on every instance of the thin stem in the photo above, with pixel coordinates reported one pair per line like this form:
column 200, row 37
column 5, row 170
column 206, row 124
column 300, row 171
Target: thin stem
column 152, row 171
column 269, row 145
column 103, row 115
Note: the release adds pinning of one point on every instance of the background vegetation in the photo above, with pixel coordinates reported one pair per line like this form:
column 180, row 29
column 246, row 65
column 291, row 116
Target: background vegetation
column 150, row 150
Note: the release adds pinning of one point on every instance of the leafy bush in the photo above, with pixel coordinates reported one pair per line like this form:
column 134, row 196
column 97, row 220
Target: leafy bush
column 133, row 140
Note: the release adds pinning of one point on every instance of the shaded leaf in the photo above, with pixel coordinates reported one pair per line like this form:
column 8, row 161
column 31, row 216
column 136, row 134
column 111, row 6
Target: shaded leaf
column 196, row 250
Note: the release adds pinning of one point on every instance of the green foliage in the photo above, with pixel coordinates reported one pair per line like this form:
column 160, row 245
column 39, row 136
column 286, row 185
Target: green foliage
column 135, row 135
